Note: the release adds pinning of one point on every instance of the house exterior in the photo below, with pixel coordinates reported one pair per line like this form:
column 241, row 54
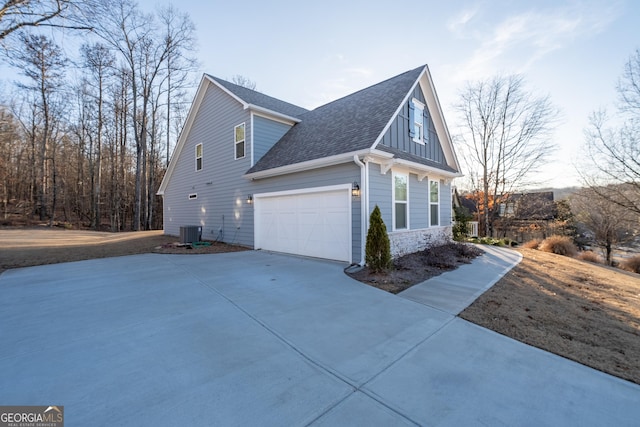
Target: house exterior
column 257, row 171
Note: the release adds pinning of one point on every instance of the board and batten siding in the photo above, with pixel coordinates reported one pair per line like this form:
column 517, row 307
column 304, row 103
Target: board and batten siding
column 220, row 207
column 266, row 133
column 345, row 173
column 397, row 136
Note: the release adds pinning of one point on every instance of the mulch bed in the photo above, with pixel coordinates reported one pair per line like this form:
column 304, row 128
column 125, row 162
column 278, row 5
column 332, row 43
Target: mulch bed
column 417, row 267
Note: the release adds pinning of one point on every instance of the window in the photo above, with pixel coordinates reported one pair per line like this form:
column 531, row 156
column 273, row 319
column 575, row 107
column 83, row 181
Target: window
column 238, row 135
column 434, row 202
column 193, row 196
column 416, row 117
column 199, row 157
column 400, row 200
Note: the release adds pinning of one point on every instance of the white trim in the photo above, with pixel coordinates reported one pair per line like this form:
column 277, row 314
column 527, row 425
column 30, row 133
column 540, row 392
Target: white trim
column 191, row 116
column 418, row 168
column 419, row 139
column 316, row 164
column 251, row 126
column 442, row 130
column 289, row 122
column 431, row 203
column 304, row 191
column 201, row 157
column 364, row 191
column 346, row 188
column 393, row 200
column 433, row 104
column 393, row 117
column 272, row 114
column 244, row 141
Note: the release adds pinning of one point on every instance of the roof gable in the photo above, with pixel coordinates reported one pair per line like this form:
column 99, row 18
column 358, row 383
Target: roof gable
column 349, row 124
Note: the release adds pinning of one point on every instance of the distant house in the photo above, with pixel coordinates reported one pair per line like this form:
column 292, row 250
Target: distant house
column 524, row 216
column 254, row 170
column 528, row 206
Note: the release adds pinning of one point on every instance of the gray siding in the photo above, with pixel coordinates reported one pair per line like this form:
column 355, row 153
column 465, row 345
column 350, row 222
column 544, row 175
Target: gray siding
column 380, row 193
column 418, row 202
column 397, row 136
column 345, row 173
column 445, row 204
column 265, row 134
column 221, row 189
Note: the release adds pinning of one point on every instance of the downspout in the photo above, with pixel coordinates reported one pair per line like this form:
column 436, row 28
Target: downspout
column 364, row 191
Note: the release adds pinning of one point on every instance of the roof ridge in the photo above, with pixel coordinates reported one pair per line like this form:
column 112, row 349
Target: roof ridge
column 371, row 86
column 238, row 90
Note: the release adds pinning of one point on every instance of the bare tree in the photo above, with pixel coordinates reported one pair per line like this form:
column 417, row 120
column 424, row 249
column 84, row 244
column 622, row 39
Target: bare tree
column 243, row 81
column 608, row 223
column 506, row 133
column 144, row 51
column 20, row 14
column 180, row 65
column 99, row 60
column 42, row 62
column 613, row 149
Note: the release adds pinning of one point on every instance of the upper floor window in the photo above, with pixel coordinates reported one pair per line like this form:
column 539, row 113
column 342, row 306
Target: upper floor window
column 434, row 202
column 400, row 201
column 238, row 135
column 198, row 157
column 417, row 119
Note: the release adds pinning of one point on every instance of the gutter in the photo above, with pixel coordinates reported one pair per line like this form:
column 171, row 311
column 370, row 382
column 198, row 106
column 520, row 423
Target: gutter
column 364, row 191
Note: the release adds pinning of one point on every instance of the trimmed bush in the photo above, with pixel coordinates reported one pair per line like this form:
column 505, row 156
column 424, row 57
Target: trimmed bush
column 560, row 245
column 590, row 256
column 631, row 264
column 532, row 244
column 378, row 248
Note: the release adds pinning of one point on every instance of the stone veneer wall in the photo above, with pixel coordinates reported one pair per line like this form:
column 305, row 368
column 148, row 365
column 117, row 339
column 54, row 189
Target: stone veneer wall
column 405, row 242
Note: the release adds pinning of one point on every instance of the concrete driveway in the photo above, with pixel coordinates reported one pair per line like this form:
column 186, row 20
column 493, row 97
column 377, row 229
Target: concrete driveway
column 254, row 338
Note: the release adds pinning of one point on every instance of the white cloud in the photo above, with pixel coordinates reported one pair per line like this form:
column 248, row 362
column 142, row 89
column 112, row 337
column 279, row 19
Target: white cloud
column 458, row 23
column 518, row 41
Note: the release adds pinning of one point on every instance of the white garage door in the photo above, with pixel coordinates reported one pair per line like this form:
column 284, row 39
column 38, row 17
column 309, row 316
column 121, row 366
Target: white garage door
column 315, row 223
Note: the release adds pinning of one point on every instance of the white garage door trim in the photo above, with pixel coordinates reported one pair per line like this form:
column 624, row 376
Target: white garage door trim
column 312, row 222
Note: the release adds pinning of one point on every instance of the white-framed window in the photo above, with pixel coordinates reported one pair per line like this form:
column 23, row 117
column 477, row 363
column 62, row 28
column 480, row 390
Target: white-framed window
column 239, row 138
column 193, row 196
column 417, row 121
column 400, row 201
column 199, row 157
column 434, row 203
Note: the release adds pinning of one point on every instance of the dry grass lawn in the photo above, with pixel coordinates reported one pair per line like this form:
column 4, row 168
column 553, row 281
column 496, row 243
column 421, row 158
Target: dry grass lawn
column 582, row 311
column 26, row 247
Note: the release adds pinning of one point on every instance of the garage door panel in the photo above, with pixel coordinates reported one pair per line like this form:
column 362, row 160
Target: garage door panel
column 314, row 224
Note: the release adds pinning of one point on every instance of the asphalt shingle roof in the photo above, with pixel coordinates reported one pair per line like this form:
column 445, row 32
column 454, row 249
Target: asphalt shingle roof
column 348, row 124
column 260, row 99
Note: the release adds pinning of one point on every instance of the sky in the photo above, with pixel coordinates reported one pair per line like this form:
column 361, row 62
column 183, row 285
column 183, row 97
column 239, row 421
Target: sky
column 311, row 53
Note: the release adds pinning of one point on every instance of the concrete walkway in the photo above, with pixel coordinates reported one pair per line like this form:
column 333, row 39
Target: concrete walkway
column 455, row 290
column 255, row 338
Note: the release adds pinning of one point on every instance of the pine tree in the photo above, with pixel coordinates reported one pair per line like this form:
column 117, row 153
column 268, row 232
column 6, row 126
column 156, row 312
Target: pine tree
column 378, row 248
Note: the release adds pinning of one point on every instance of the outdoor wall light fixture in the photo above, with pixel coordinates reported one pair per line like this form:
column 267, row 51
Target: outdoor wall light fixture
column 250, row 198
column 355, row 189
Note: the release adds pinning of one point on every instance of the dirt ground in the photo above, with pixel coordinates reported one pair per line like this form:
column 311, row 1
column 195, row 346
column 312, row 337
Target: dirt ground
column 582, row 311
column 25, row 247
